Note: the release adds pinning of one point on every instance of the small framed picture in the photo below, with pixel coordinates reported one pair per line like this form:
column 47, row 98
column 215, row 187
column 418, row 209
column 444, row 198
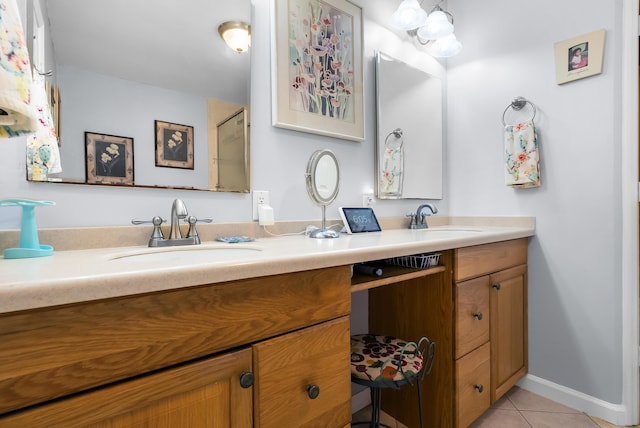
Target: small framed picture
column 579, row 57
column 174, row 145
column 108, row 159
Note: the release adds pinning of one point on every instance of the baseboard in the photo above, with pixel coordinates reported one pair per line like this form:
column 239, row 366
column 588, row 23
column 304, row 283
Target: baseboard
column 612, row 413
column 360, row 400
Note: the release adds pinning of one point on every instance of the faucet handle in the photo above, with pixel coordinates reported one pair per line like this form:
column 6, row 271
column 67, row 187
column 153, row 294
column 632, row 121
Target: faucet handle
column 156, row 235
column 153, row 221
column 413, row 218
column 193, row 233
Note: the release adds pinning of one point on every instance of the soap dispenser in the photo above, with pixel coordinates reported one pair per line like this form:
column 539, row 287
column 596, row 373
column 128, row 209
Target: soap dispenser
column 29, row 244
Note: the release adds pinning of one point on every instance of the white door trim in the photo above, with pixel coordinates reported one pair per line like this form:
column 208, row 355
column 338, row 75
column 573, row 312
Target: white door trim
column 630, row 227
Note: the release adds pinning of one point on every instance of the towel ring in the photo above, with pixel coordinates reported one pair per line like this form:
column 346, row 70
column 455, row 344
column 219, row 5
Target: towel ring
column 399, row 137
column 518, row 104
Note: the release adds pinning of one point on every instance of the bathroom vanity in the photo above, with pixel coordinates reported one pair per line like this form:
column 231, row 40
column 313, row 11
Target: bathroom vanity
column 113, row 337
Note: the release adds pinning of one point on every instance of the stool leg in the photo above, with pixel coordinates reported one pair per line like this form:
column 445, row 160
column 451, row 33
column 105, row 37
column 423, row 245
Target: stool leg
column 375, row 407
column 419, row 403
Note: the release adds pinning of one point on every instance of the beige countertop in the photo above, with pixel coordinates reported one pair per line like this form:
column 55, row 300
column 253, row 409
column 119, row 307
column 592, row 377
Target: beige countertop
column 90, row 274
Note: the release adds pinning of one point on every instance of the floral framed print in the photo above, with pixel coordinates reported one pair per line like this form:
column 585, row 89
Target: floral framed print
column 317, row 67
column 579, row 57
column 109, row 159
column 174, row 145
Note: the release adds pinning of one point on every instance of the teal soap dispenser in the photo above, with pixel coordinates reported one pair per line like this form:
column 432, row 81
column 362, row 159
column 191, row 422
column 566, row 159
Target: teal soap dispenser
column 29, row 244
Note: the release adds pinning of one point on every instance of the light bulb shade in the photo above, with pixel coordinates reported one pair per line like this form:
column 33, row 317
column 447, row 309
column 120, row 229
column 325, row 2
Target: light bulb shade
column 236, row 35
column 437, row 26
column 446, row 46
column 408, row 16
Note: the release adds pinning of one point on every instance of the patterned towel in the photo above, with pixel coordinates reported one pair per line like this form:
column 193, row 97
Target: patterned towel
column 391, row 172
column 17, row 115
column 43, row 154
column 522, row 162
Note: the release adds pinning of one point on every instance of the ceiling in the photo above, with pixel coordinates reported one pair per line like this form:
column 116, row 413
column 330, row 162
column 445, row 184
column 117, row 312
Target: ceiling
column 166, row 43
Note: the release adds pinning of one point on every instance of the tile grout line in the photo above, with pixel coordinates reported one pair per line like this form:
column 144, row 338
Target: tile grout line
column 519, row 412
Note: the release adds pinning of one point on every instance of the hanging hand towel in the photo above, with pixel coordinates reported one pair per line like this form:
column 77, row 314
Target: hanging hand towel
column 43, row 154
column 522, row 162
column 391, row 173
column 17, row 116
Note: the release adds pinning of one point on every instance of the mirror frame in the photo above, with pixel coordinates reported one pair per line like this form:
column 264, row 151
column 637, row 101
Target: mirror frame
column 312, row 168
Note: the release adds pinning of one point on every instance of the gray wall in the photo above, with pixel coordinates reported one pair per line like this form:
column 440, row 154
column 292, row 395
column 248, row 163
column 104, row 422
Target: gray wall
column 574, row 264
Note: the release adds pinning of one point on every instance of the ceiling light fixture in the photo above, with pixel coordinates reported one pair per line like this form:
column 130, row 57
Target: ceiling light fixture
column 236, row 34
column 434, row 29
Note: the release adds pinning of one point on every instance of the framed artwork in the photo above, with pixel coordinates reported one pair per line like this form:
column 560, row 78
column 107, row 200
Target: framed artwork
column 317, row 68
column 108, row 159
column 579, row 57
column 174, row 145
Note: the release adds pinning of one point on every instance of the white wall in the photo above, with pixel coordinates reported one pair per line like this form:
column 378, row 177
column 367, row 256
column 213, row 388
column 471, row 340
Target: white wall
column 574, row 262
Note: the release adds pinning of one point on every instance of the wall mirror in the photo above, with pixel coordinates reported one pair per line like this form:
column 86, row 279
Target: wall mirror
column 121, row 65
column 323, row 182
column 409, row 131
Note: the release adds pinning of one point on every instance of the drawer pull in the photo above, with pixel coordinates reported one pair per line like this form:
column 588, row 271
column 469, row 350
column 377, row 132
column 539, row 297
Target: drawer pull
column 496, row 286
column 246, row 379
column 313, row 391
column 478, row 316
column 480, row 388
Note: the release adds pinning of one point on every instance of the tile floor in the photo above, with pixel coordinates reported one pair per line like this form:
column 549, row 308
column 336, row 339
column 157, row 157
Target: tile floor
column 519, row 408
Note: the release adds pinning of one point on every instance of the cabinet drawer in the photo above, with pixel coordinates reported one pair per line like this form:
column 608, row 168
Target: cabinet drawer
column 472, row 315
column 480, row 260
column 287, row 366
column 473, row 377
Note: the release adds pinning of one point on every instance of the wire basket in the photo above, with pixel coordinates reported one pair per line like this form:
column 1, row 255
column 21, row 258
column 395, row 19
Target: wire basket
column 416, row 261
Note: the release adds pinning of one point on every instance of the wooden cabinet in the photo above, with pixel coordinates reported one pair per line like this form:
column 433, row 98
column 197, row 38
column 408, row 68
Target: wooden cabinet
column 475, row 309
column 473, row 375
column 303, row 378
column 206, row 394
column 176, row 358
column 509, row 359
column 490, row 279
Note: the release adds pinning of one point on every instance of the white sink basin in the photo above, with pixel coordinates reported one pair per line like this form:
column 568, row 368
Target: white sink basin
column 187, row 254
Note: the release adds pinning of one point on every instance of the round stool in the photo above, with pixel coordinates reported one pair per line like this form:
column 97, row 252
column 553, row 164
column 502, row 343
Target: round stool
column 388, row 362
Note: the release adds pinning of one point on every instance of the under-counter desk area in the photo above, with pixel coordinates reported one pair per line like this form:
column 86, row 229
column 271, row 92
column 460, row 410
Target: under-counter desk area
column 111, row 337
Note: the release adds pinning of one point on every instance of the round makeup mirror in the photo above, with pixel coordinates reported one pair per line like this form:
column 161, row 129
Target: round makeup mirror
column 323, row 181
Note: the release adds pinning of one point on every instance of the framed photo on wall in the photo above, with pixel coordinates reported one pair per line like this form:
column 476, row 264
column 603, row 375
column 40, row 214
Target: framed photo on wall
column 579, row 57
column 108, row 159
column 317, row 68
column 174, row 145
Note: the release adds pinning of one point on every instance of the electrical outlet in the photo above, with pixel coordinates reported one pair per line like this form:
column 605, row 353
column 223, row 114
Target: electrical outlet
column 260, row 197
column 367, row 200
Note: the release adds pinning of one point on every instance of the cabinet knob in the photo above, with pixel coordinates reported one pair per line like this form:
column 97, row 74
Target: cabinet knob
column 246, row 379
column 313, row 391
column 478, row 316
column 479, row 387
column 496, row 286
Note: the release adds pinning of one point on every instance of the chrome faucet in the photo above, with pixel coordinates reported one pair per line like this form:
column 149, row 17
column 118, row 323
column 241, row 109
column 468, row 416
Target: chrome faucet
column 419, row 219
column 178, row 212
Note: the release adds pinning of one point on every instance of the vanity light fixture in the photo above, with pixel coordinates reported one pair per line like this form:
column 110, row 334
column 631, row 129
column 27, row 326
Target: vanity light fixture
column 236, row 34
column 434, row 29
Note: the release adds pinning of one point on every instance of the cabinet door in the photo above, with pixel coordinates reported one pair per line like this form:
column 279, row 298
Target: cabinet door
column 291, row 369
column 508, row 329
column 204, row 394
